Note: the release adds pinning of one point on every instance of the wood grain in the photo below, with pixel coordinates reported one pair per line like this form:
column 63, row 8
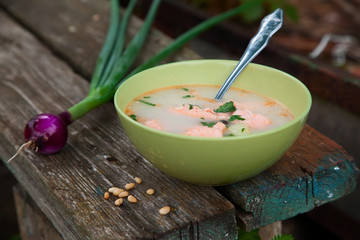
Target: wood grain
column 71, row 32
column 68, row 187
column 33, row 224
column 315, row 171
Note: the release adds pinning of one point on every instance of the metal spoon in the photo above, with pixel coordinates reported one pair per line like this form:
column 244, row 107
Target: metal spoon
column 269, row 25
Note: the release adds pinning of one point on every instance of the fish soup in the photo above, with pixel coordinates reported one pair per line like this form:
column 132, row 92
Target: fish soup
column 192, row 110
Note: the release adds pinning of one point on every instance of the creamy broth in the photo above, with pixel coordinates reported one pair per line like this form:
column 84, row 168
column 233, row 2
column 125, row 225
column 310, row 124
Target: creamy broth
column 191, row 110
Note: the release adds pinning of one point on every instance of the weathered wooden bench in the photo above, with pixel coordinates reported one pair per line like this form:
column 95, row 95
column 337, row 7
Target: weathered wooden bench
column 47, row 52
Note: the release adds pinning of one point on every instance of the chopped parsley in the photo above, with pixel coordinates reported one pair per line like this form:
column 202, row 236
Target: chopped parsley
column 133, row 116
column 186, row 89
column 208, row 124
column 226, row 107
column 147, row 97
column 191, row 106
column 187, row 96
column 236, row 117
column 148, row 103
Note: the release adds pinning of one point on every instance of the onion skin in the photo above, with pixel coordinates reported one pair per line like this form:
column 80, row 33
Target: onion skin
column 47, row 133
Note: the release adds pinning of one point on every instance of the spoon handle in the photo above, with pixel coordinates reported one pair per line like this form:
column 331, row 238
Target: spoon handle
column 269, row 25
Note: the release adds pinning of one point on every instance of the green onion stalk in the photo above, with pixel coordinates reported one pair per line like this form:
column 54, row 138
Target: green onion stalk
column 47, row 133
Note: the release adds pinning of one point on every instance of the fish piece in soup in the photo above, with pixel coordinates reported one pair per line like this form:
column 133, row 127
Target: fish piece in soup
column 203, row 131
column 256, row 121
column 153, row 124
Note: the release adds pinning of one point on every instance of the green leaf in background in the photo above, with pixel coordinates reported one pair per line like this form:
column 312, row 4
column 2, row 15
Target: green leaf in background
column 253, row 235
column 15, row 237
column 254, row 13
column 259, row 10
column 283, row 237
column 292, row 12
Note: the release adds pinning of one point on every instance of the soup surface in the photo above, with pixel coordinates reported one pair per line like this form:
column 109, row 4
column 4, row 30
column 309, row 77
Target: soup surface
column 192, row 110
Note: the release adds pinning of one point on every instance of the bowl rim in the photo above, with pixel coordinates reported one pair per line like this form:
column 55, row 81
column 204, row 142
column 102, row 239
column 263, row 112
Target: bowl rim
column 301, row 116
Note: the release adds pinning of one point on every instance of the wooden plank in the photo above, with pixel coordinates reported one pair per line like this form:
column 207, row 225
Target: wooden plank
column 313, row 172
column 314, row 158
column 33, row 224
column 69, row 186
column 72, row 33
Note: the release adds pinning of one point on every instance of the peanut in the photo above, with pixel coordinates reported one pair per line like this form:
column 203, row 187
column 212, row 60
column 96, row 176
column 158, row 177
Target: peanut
column 119, row 201
column 132, row 199
column 150, row 191
column 118, row 191
column 129, row 186
column 138, row 180
column 111, row 190
column 123, row 194
column 106, row 195
column 164, row 210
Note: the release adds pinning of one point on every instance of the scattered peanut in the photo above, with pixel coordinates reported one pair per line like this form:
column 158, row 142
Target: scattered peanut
column 164, row 210
column 150, row 191
column 106, row 195
column 123, row 194
column 119, row 201
column 118, row 191
column 111, row 190
column 129, row 186
column 138, row 180
column 132, row 199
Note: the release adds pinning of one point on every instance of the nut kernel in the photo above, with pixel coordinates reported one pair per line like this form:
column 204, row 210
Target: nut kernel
column 138, row 180
column 129, row 186
column 150, row 191
column 123, row 194
column 118, row 191
column 111, row 190
column 132, row 199
column 106, row 195
column 119, row 201
column 164, row 210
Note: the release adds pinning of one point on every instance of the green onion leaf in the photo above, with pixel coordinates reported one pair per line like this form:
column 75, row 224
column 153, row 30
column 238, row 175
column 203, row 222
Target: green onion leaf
column 118, row 49
column 132, row 50
column 108, row 46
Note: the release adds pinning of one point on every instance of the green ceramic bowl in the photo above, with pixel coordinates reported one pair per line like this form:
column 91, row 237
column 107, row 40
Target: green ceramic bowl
column 214, row 161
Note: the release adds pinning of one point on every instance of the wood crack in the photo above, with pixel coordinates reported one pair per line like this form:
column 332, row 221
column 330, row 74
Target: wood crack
column 309, row 177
